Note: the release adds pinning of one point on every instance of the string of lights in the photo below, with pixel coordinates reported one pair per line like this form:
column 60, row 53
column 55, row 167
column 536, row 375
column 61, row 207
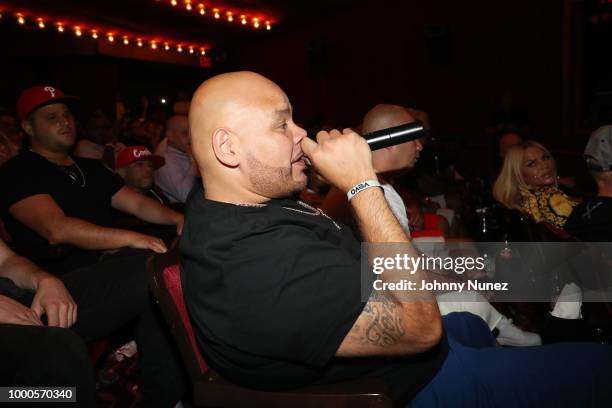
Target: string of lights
column 95, row 32
column 218, row 12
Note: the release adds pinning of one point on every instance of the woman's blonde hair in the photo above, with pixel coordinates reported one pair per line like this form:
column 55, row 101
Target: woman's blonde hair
column 510, row 182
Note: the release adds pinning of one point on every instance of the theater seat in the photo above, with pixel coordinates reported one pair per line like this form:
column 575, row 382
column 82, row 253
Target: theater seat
column 209, row 389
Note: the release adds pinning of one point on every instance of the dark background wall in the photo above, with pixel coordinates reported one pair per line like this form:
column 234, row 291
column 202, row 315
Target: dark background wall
column 457, row 60
column 460, row 61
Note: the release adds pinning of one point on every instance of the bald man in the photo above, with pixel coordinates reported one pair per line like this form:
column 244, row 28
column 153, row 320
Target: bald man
column 282, row 305
column 177, row 177
column 273, row 285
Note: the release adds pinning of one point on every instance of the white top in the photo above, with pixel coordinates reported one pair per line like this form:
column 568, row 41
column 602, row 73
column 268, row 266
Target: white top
column 397, row 206
column 177, row 176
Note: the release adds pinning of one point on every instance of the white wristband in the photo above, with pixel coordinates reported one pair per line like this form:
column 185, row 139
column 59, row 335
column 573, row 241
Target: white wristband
column 362, row 186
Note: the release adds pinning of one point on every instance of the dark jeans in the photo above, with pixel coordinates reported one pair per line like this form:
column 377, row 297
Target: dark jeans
column 114, row 292
column 35, row 356
column 476, row 374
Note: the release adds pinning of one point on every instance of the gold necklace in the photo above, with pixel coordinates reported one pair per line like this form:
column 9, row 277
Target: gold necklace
column 312, row 210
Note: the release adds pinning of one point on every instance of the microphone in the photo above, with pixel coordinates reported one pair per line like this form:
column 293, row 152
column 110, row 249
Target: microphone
column 395, row 135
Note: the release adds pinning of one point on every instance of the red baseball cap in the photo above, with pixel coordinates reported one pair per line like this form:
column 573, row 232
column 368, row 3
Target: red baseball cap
column 132, row 154
column 39, row 96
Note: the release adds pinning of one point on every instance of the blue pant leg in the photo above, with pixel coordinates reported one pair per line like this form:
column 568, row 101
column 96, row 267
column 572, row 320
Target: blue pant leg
column 560, row 375
column 468, row 330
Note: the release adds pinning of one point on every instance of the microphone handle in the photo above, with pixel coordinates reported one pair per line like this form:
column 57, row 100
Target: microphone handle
column 395, row 135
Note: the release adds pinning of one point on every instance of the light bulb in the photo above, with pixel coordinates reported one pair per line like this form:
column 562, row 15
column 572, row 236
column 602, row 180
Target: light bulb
column 110, row 37
column 20, row 19
column 41, row 23
column 60, row 27
column 94, row 34
column 243, row 19
column 125, row 40
column 77, row 31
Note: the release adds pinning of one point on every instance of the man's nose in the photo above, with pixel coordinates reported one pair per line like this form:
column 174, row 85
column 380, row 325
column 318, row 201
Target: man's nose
column 67, row 121
column 299, row 134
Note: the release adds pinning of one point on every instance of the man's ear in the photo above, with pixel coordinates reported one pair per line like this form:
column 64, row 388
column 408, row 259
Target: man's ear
column 26, row 125
column 223, row 144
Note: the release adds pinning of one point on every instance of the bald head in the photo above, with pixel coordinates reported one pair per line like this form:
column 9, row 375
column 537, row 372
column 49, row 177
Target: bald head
column 221, row 102
column 385, row 116
column 395, row 158
column 244, row 137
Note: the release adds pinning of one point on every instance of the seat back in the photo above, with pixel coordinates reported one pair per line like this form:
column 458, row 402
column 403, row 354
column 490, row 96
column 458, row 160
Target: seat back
column 209, row 389
column 165, row 282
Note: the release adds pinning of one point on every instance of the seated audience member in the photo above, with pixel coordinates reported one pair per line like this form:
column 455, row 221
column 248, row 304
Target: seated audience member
column 58, row 210
column 34, row 354
column 390, row 164
column 289, row 312
column 99, row 136
column 506, row 139
column 592, row 220
column 528, row 183
column 10, row 127
column 7, row 150
column 93, row 302
column 135, row 165
column 135, row 133
column 177, row 177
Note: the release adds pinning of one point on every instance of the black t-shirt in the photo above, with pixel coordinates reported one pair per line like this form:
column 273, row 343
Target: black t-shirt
column 30, row 174
column 591, row 221
column 273, row 291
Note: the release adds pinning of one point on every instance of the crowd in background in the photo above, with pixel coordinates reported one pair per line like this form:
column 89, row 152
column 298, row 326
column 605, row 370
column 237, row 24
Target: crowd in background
column 521, row 197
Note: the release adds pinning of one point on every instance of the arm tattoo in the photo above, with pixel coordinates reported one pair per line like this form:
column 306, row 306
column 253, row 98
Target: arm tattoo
column 384, row 325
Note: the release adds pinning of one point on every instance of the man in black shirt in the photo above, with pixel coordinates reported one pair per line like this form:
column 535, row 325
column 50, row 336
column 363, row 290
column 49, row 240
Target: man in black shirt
column 591, row 221
column 58, row 208
column 273, row 285
column 33, row 354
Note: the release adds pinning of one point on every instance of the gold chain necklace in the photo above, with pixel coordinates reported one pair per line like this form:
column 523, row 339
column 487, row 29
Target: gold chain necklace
column 312, row 210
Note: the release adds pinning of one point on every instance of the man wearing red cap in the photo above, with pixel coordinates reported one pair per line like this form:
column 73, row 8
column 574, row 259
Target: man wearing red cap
column 58, row 210
column 59, row 200
column 135, row 165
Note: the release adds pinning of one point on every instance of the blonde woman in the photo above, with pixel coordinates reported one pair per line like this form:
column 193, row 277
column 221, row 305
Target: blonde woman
column 528, row 182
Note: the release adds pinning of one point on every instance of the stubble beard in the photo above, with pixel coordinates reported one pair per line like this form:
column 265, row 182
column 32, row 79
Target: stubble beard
column 272, row 182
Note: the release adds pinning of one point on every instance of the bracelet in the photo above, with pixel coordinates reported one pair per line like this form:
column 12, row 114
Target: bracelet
column 362, row 186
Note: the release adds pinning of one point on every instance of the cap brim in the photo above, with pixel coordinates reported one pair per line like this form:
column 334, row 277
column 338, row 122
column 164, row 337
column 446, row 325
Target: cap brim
column 71, row 101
